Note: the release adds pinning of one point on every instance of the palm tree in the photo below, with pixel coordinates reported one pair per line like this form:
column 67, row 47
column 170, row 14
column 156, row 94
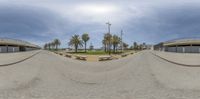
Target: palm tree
column 49, row 45
column 85, row 38
column 76, row 42
column 45, row 46
column 57, row 43
column 135, row 46
column 144, row 46
column 107, row 40
column 115, row 41
column 52, row 45
column 125, row 45
column 104, row 44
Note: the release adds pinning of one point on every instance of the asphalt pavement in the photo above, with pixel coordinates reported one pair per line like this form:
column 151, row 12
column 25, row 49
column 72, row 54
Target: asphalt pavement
column 139, row 76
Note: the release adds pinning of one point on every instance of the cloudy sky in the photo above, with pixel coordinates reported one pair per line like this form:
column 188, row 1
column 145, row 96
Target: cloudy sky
column 150, row 21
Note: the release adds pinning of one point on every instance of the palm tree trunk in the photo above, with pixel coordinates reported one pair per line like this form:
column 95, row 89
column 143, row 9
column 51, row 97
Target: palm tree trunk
column 85, row 46
column 116, row 48
column 76, row 48
column 105, row 47
column 113, row 48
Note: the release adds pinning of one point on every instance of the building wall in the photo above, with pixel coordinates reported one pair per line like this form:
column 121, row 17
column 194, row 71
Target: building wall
column 181, row 49
column 192, row 49
column 29, row 49
column 185, row 49
column 3, row 49
column 170, row 49
column 159, row 47
column 13, row 49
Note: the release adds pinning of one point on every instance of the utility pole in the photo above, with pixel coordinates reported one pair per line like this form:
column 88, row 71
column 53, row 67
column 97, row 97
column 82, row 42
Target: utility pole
column 108, row 23
column 122, row 41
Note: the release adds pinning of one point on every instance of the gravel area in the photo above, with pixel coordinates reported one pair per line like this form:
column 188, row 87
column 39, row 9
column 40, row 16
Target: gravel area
column 140, row 76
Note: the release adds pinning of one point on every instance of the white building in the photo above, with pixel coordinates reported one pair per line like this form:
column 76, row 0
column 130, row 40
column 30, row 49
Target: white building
column 13, row 45
column 191, row 45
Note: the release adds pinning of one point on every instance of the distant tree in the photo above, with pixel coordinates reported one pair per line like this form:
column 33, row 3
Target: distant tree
column 140, row 47
column 49, row 46
column 52, row 45
column 125, row 46
column 57, row 43
column 132, row 47
column 91, row 46
column 115, row 42
column 76, row 42
column 144, row 46
column 45, row 46
column 107, row 41
column 85, row 38
column 135, row 46
column 104, row 44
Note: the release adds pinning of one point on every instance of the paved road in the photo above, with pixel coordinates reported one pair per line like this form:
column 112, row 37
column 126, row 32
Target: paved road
column 141, row 76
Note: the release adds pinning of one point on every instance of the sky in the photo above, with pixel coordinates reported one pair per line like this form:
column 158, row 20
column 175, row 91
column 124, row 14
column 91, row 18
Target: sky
column 149, row 21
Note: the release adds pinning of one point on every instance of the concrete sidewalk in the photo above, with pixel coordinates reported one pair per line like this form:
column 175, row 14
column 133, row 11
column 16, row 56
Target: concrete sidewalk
column 9, row 58
column 188, row 59
column 140, row 76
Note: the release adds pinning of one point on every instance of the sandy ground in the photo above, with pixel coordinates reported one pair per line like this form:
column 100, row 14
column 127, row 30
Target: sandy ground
column 140, row 76
column 95, row 58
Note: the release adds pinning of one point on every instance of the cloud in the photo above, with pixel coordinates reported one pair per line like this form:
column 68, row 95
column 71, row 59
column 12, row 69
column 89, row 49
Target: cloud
column 26, row 22
column 142, row 21
column 166, row 22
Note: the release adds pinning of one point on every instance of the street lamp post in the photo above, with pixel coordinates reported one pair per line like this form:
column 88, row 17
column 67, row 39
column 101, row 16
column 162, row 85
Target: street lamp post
column 108, row 23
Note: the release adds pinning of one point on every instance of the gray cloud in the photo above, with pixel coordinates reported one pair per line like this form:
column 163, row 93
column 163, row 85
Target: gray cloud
column 142, row 21
column 167, row 22
column 25, row 22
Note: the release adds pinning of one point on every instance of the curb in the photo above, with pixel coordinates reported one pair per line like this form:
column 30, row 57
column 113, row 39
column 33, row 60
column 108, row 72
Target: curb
column 186, row 65
column 19, row 60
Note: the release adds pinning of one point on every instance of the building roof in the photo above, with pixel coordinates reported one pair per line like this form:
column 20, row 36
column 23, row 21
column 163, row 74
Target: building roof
column 183, row 41
column 8, row 41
